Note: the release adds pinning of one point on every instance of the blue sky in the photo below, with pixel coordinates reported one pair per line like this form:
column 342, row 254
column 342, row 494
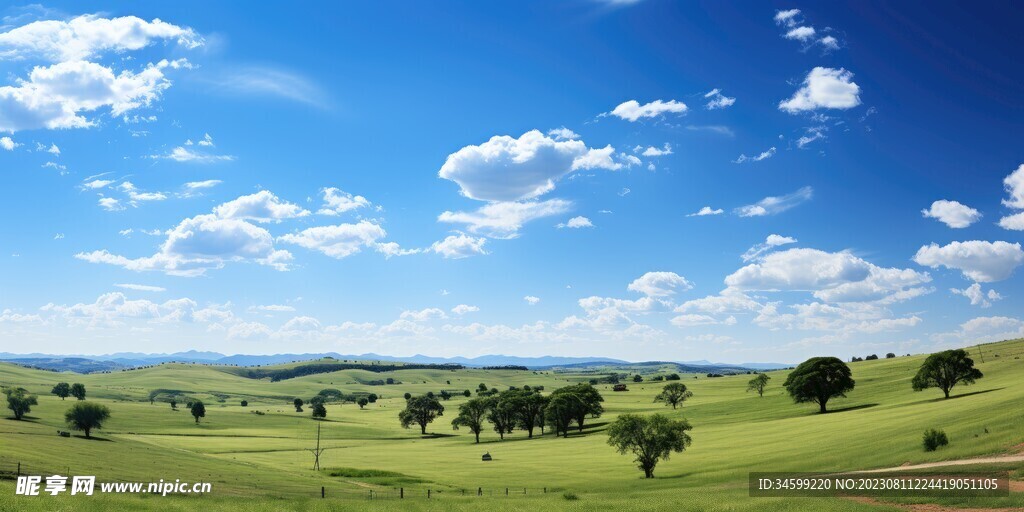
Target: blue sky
column 524, row 178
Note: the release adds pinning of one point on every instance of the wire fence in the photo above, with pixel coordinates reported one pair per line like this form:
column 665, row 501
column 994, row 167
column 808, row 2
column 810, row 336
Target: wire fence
column 400, row 493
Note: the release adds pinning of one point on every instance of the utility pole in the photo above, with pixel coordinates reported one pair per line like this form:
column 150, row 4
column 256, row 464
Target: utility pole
column 317, row 451
column 980, row 353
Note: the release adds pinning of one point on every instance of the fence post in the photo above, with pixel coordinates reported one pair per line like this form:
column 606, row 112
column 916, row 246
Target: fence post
column 428, row 494
column 479, row 491
column 19, row 469
column 323, row 492
column 506, row 491
column 401, row 493
column 545, row 490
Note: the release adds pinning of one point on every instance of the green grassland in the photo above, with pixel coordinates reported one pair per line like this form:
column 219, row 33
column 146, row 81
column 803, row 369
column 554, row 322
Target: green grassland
column 261, row 461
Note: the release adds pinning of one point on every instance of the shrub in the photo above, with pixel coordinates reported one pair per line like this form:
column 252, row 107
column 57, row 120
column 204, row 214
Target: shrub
column 570, row 496
column 933, row 439
column 245, row 403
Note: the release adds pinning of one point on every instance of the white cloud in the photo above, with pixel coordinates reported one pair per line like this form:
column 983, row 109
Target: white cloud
column 800, row 33
column 977, row 297
column 829, row 43
column 576, row 223
column 659, row 284
column 141, row 287
column 8, row 143
column 980, row 261
column 115, row 310
column 185, row 154
column 337, row 201
column 262, row 206
column 786, row 17
column 95, row 184
column 763, row 156
column 198, row 185
column 707, row 210
column 531, row 300
column 1013, row 222
column 562, row 133
column 653, row 151
column 89, row 36
column 717, row 100
column 633, row 111
column 813, row 134
column 824, row 88
column 53, row 150
column 505, row 219
column 135, row 195
column 1014, row 184
column 462, row 309
column 207, row 140
column 772, row 205
column 952, row 213
column 273, row 308
column 985, row 329
column 509, row 169
column 392, row 249
column 110, row 204
column 338, row 241
column 770, row 243
column 693, row 320
column 832, row 277
column 459, row 246
column 423, row 315
column 54, row 97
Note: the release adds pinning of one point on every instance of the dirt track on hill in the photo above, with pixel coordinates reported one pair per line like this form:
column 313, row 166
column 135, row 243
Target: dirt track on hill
column 957, row 462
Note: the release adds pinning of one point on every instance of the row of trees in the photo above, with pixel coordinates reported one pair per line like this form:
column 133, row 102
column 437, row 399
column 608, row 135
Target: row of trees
column 64, row 390
column 84, row 416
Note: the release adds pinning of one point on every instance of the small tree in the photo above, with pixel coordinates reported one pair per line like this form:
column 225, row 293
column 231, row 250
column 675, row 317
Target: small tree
column 445, row 395
column 372, row 398
column 319, row 411
column 174, row 405
column 672, row 376
column 407, row 396
column 650, row 438
column 78, row 391
column 758, row 384
column 502, row 414
column 421, row 411
column 62, row 389
column 198, row 409
column 245, row 403
column 19, row 401
column 890, row 355
column 946, row 369
column 818, row 380
column 674, row 394
column 638, row 378
column 298, row 404
column 467, row 393
column 362, row 402
column 86, row 416
column 471, row 415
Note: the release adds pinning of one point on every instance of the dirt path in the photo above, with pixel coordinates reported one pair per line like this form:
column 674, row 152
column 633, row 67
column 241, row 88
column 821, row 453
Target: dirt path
column 957, row 462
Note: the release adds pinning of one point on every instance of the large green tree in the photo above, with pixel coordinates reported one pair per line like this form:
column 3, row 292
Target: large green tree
column 78, row 391
column 472, row 415
column 560, row 411
column 818, row 380
column 502, row 413
column 61, row 389
column 674, row 394
column 588, row 404
column 946, row 369
column 19, row 401
column 649, row 438
column 319, row 411
column 420, row 410
column 86, row 416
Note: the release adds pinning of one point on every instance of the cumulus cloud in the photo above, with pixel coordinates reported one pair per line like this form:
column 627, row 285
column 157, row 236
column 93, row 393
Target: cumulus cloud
column 90, row 35
column 56, row 96
column 338, row 201
column 653, row 151
column 531, row 300
column 707, row 210
column 423, row 315
column 633, row 111
column 985, row 329
column 459, row 246
column 462, row 309
column 510, row 169
column 787, row 17
column 1014, row 184
column 562, row 133
column 764, row 155
column 8, row 143
column 338, row 241
column 952, row 213
column 770, row 243
column 576, row 223
column 800, row 33
column 773, row 205
column 659, row 284
column 141, row 287
column 830, row 276
column 979, row 261
column 262, row 206
column 186, row 154
column 977, row 297
column 824, row 88
column 505, row 219
column 717, row 100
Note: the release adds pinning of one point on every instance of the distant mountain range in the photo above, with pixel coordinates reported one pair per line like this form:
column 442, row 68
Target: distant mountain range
column 108, row 362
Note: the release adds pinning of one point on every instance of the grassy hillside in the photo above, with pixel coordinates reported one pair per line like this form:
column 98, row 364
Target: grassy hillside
column 243, row 453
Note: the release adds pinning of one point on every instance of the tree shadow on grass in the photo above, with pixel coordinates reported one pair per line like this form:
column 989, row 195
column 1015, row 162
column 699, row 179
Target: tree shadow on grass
column 435, row 435
column 94, row 438
column 26, row 419
column 670, row 477
column 954, row 397
column 851, row 408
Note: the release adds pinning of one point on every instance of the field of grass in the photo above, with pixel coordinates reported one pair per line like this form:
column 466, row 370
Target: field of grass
column 261, row 461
